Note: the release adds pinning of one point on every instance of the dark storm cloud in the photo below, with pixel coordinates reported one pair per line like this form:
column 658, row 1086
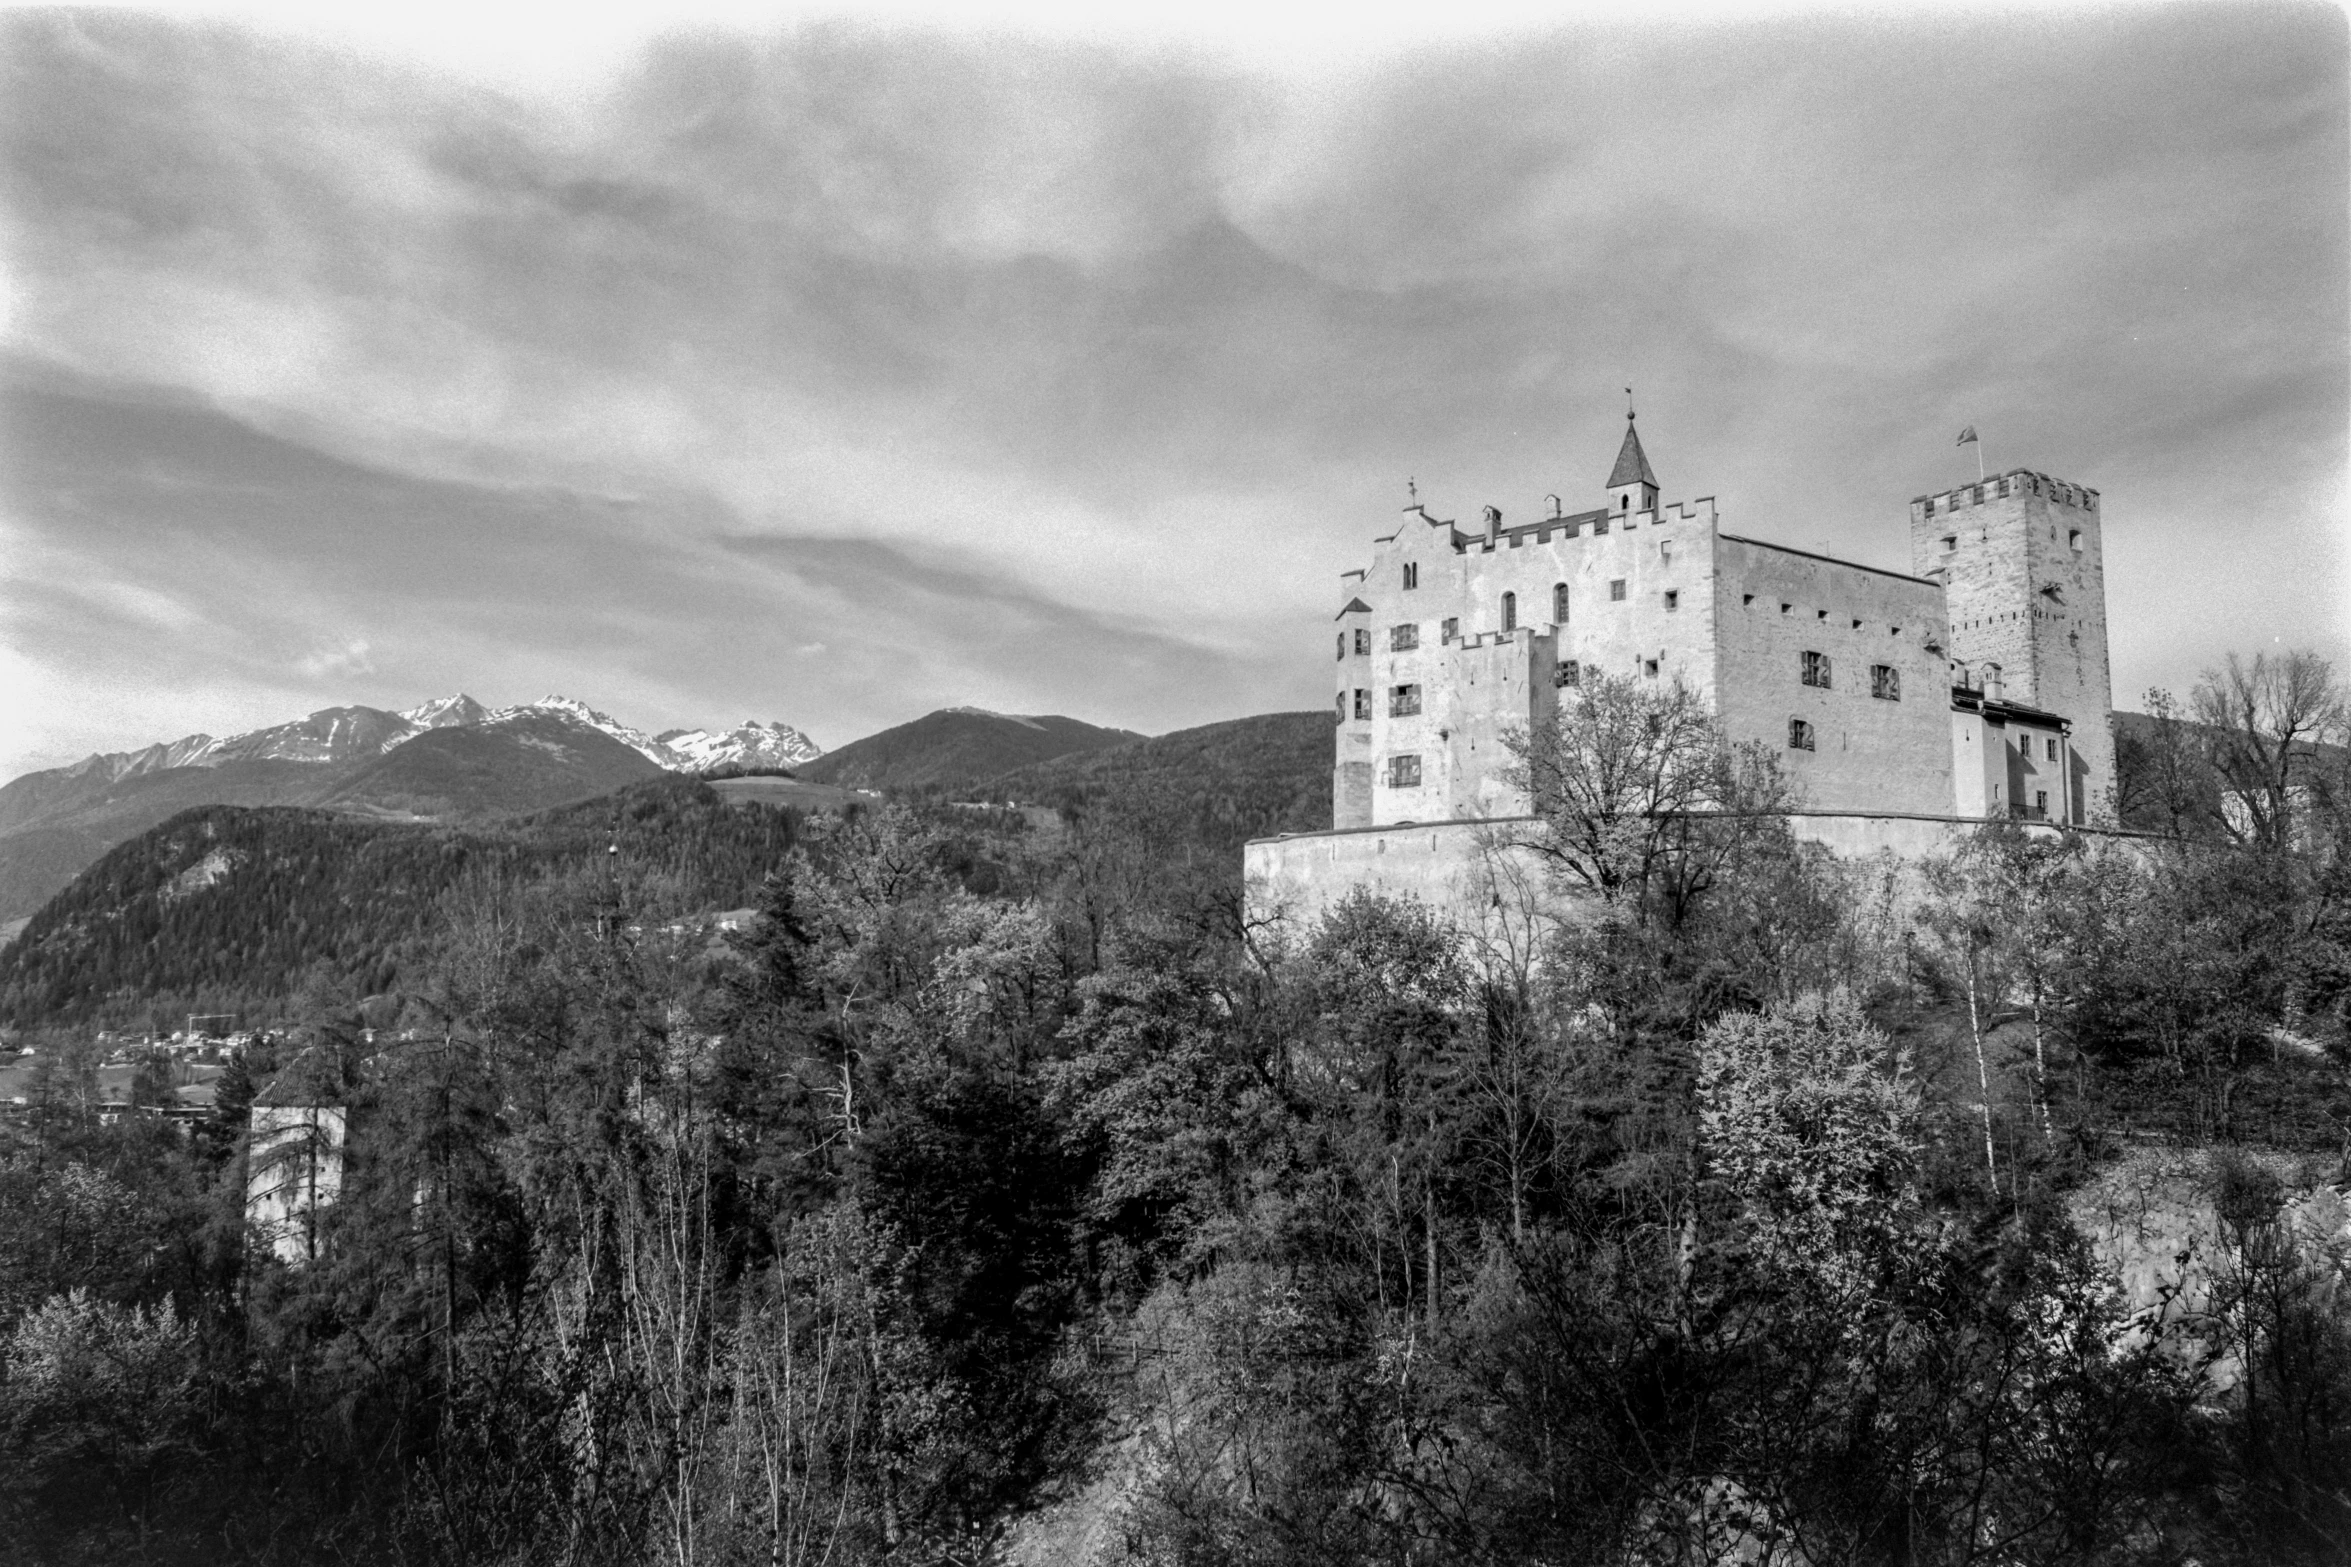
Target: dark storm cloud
column 836, row 375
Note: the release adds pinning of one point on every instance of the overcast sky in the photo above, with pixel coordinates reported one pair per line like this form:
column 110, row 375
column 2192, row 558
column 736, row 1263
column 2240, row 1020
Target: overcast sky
column 838, row 371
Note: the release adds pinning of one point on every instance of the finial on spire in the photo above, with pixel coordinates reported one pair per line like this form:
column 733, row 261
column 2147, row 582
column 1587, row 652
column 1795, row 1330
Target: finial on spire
column 1412, row 488
column 1628, row 405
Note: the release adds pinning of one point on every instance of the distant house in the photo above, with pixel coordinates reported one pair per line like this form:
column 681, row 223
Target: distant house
column 293, row 1163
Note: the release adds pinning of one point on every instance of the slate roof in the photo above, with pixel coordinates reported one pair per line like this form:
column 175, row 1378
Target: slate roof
column 1632, row 463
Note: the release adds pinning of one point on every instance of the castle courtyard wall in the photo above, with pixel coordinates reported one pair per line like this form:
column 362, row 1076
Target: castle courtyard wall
column 1299, row 877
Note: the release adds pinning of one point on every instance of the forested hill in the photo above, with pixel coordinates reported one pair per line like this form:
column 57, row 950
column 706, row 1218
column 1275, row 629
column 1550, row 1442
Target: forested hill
column 955, row 749
column 233, row 908
column 1222, row 783
column 54, row 824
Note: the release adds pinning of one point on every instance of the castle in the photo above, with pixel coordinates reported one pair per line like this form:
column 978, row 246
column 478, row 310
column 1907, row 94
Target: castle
column 1974, row 687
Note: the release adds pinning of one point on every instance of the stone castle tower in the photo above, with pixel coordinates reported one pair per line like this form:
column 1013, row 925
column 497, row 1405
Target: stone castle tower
column 2024, row 583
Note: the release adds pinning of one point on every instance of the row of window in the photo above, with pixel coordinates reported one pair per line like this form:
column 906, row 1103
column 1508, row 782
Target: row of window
column 1747, row 601
column 1814, row 669
column 1403, row 702
column 2073, row 540
column 1406, row 637
column 1885, row 681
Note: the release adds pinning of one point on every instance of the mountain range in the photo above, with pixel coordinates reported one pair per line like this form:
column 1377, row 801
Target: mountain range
column 339, row 734
column 447, row 759
column 455, row 761
column 229, row 907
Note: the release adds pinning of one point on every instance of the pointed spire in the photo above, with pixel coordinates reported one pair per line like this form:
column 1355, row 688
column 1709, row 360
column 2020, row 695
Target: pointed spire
column 1632, row 464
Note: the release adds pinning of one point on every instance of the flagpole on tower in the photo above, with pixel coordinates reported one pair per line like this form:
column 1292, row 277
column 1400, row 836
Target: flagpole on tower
column 1967, row 437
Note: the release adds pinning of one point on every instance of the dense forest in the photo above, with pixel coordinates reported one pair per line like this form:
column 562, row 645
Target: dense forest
column 1003, row 1195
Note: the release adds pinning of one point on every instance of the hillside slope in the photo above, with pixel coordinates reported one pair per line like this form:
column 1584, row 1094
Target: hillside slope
column 473, row 762
column 230, row 909
column 1225, row 783
column 956, row 749
column 526, row 762
column 54, row 837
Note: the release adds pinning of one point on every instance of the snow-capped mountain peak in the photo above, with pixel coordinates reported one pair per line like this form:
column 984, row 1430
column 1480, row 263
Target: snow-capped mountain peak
column 581, row 713
column 446, row 712
column 750, row 744
column 339, row 734
column 111, row 766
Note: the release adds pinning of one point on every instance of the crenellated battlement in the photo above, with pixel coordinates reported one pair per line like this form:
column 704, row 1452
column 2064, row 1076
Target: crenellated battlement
column 1582, row 525
column 2016, row 481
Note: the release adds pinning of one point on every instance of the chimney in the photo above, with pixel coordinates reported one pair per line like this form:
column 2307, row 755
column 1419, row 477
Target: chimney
column 1493, row 525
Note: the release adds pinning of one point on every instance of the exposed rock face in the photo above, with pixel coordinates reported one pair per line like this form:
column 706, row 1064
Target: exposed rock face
column 2154, row 1219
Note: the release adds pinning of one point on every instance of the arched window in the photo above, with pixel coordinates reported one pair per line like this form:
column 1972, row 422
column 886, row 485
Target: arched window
column 1510, row 612
column 1559, row 603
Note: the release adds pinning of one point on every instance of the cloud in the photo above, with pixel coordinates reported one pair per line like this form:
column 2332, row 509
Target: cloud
column 349, row 659
column 1067, row 374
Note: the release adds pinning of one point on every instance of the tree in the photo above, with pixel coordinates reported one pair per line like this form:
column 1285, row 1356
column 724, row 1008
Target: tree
column 1811, row 1117
column 95, row 1400
column 1640, row 796
column 2274, row 729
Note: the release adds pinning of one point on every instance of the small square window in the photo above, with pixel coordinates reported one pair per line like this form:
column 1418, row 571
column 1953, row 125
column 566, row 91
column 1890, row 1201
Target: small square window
column 1857, row 625
column 1616, row 591
column 1449, row 629
column 1403, row 701
column 2073, row 540
column 1649, row 668
column 1412, row 574
column 1362, row 703
column 1784, row 608
column 1885, row 682
column 1799, row 735
column 1403, row 772
column 1404, row 638
column 1950, row 542
column 1569, row 673
column 1821, row 615
column 1673, row 599
column 1362, row 639
column 1746, row 599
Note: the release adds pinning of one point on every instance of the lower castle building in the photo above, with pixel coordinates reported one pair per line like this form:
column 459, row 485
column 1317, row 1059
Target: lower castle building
column 1973, row 686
